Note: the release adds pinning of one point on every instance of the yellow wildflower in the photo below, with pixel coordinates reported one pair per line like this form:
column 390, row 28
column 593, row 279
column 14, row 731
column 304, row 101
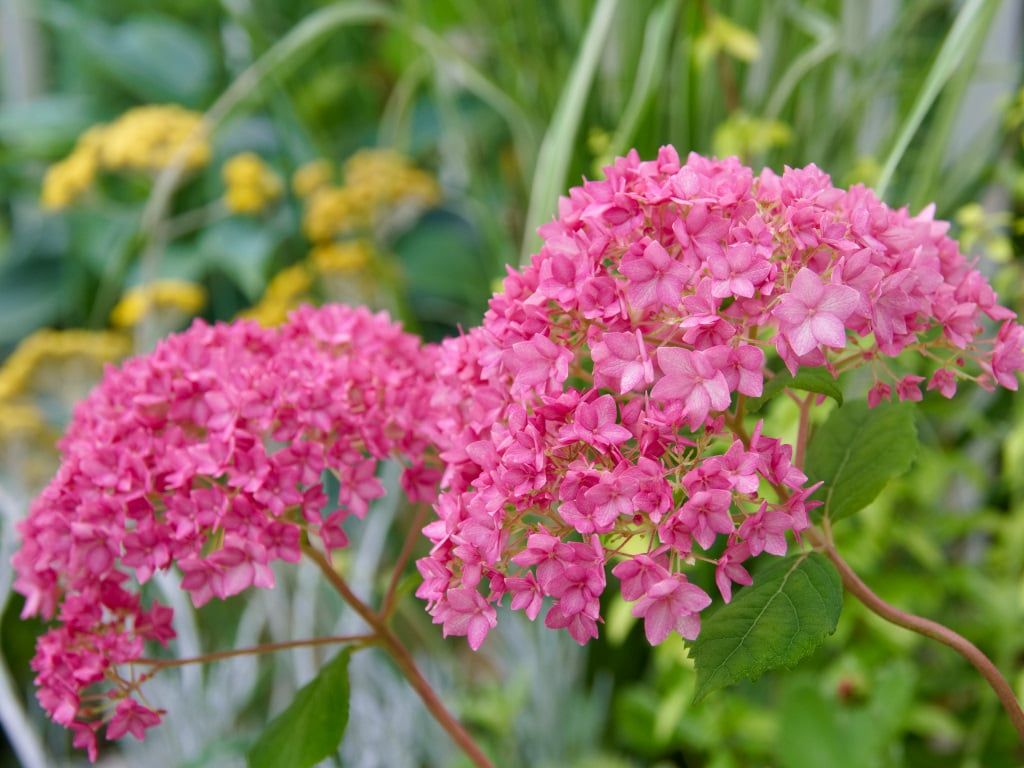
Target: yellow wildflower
column 335, row 210
column 348, row 256
column 284, row 292
column 251, row 184
column 148, row 138
column 722, row 35
column 20, row 420
column 142, row 139
column 311, row 177
column 21, row 367
column 69, row 179
column 178, row 296
column 376, row 182
column 388, row 177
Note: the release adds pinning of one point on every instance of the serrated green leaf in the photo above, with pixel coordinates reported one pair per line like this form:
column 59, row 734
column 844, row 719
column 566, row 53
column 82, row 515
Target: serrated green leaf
column 857, row 451
column 792, row 607
column 310, row 729
column 806, row 380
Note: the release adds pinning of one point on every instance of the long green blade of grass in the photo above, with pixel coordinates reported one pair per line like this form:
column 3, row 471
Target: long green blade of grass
column 652, row 68
column 954, row 48
column 557, row 147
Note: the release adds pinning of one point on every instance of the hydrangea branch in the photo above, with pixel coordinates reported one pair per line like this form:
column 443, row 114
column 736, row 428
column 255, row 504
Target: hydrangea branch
column 257, row 650
column 412, row 536
column 932, row 629
column 403, row 659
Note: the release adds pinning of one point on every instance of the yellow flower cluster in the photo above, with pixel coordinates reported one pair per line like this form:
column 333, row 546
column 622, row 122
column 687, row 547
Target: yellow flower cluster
column 21, row 421
column 342, row 257
column 39, row 384
column 377, row 184
column 177, row 296
column 376, row 181
column 251, row 184
column 326, row 265
column 30, row 358
column 311, row 177
column 142, row 139
column 285, row 291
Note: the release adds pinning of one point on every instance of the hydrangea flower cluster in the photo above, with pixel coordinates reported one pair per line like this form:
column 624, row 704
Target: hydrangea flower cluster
column 603, row 423
column 594, row 422
column 209, row 454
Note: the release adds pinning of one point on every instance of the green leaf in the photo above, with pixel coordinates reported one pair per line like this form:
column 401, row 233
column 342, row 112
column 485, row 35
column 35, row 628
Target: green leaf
column 857, row 451
column 792, row 607
column 807, row 380
column 157, row 59
column 31, row 297
column 310, row 730
column 47, row 126
column 242, row 248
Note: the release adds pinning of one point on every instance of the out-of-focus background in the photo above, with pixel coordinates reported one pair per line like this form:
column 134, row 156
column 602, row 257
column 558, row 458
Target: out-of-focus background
column 399, row 155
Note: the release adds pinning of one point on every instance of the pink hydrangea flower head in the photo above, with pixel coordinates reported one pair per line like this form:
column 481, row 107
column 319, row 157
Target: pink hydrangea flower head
column 612, row 372
column 209, row 454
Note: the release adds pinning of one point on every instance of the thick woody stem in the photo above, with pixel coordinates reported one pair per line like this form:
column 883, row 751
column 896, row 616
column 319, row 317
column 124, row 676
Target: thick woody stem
column 404, row 661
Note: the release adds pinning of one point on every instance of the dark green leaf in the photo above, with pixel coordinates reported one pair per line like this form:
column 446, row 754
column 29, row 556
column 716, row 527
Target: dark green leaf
column 792, row 607
column 310, row 730
column 30, row 297
column 857, row 451
column 241, row 248
column 807, row 380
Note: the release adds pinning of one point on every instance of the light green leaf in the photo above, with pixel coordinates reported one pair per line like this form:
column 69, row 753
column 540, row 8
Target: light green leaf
column 807, row 380
column 792, row 607
column 310, row 729
column 857, row 451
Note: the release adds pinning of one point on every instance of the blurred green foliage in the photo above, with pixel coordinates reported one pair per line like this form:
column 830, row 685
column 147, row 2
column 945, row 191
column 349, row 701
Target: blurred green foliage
column 474, row 93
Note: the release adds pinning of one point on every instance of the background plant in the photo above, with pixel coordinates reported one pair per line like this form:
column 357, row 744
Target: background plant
column 478, row 102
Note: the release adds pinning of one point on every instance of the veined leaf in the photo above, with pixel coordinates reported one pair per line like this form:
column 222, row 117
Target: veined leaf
column 310, row 729
column 789, row 611
column 857, row 451
column 807, row 380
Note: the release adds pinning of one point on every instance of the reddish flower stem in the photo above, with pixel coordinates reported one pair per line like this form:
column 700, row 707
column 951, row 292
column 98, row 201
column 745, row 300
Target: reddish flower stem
column 803, row 431
column 411, row 537
column 404, row 661
column 256, row 650
column 922, row 626
column 856, row 587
